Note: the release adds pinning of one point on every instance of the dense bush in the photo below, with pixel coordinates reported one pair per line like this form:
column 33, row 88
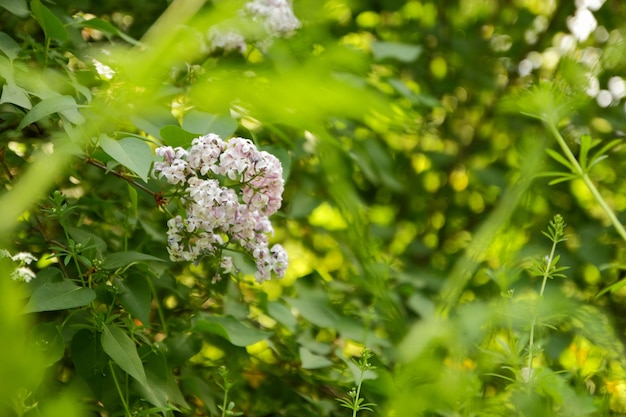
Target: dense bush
column 445, row 179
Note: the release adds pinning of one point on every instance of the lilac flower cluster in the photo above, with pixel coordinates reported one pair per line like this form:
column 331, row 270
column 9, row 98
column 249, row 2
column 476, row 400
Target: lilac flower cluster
column 275, row 16
column 217, row 215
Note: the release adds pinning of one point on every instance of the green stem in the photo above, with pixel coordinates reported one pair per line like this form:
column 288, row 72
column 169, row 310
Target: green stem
column 225, row 403
column 590, row 185
column 358, row 395
column 546, row 275
column 158, row 304
column 73, row 250
column 119, row 389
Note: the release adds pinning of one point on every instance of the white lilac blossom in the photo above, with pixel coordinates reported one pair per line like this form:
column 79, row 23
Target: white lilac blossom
column 275, row 17
column 226, row 40
column 228, row 190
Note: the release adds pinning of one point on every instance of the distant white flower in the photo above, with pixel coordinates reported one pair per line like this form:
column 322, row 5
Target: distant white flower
column 23, row 273
column 604, row 98
column 617, row 87
column 103, row 70
column 24, row 258
column 582, row 24
column 589, row 4
column 525, row 67
column 567, row 44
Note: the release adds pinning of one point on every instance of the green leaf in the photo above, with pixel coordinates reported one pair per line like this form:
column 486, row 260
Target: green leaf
column 612, row 288
column 17, row 7
column 120, row 348
column 585, row 146
column 204, row 123
column 316, row 311
column 135, row 296
column 90, row 361
column 134, row 154
column 54, row 104
column 73, row 116
column 163, row 386
column 230, row 329
column 7, row 45
column 176, row 136
column 13, row 94
column 51, row 25
column 560, row 159
column 282, row 314
column 62, row 295
column 47, row 339
column 393, row 50
column 92, row 244
column 312, row 361
column 601, row 154
column 181, row 347
column 120, row 259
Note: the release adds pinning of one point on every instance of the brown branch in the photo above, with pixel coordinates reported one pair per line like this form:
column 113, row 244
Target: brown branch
column 121, row 175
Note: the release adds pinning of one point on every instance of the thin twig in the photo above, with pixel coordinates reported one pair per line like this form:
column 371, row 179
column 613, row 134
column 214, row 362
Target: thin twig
column 121, row 175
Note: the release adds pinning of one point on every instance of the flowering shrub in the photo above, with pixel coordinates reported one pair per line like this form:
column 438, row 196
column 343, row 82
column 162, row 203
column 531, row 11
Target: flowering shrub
column 239, row 211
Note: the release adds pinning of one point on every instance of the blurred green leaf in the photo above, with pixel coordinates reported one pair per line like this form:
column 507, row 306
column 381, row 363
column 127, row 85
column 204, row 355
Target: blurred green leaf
column 48, row 106
column 177, row 136
column 204, row 123
column 51, row 25
column 133, row 153
column 282, row 314
column 312, row 361
column 314, row 310
column 230, row 329
column 10, row 48
column 394, row 50
column 46, row 338
column 13, row 94
column 59, row 296
column 17, row 7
